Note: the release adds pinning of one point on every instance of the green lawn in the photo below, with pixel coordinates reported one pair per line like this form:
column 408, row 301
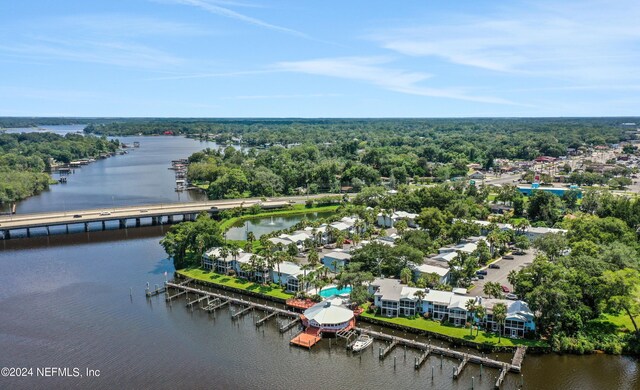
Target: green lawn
column 456, row 332
column 231, row 281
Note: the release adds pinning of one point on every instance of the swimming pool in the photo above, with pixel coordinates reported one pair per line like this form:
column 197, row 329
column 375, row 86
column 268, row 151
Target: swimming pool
column 331, row 291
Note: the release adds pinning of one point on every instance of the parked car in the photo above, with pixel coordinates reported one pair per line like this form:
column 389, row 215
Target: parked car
column 508, row 257
column 480, row 276
column 494, row 266
column 505, row 289
column 474, row 279
column 77, row 216
column 511, row 296
column 481, row 272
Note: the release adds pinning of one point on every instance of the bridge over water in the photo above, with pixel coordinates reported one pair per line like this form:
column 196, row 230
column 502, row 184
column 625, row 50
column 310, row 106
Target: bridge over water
column 125, row 217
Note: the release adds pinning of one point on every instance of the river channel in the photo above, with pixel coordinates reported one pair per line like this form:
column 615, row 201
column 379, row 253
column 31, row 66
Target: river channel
column 78, row 301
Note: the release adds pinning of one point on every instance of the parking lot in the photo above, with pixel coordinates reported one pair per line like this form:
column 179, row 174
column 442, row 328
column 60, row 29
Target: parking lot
column 500, row 275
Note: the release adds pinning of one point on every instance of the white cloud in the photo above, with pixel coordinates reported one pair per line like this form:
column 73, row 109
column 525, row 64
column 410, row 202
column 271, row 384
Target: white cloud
column 120, row 25
column 575, row 41
column 213, row 6
column 102, row 52
column 372, row 70
column 292, row 96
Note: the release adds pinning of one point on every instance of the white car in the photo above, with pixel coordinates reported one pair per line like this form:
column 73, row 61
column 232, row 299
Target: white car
column 105, row 213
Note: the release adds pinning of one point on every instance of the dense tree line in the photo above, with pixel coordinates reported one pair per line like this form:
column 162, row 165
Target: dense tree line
column 25, row 159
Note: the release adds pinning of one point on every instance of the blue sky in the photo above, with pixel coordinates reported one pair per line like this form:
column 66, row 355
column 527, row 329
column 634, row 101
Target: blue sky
column 302, row 58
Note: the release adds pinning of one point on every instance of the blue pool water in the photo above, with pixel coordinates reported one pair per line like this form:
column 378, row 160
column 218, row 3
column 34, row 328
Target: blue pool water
column 331, row 291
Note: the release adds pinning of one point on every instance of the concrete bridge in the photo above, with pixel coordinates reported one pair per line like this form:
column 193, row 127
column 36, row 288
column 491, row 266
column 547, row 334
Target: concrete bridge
column 133, row 216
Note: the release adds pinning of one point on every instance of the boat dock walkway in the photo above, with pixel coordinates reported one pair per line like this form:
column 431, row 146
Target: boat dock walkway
column 423, row 358
column 241, row 312
column 384, row 352
column 236, row 301
column 518, row 357
column 461, row 367
column 289, row 325
column 475, row 359
column 265, row 318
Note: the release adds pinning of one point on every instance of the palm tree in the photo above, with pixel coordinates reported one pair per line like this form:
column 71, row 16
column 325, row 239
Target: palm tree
column 492, row 238
column 499, row 316
column 253, row 262
column 406, row 275
column 480, row 313
column 313, row 258
column 470, row 305
column 251, row 237
column 521, row 225
column 279, row 258
column 420, row 294
column 305, row 268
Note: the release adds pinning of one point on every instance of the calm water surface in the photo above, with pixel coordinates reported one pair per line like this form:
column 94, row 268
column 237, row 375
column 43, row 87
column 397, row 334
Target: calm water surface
column 260, row 226
column 65, row 302
column 139, row 177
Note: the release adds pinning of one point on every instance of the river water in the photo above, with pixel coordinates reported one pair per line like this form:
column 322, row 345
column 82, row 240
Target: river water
column 65, row 302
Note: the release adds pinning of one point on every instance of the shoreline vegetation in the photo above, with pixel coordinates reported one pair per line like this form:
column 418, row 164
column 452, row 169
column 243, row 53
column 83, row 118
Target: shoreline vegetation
column 26, row 159
column 551, row 277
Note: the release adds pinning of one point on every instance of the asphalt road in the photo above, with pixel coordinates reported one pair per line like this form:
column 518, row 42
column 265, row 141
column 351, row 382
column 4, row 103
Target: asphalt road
column 500, row 275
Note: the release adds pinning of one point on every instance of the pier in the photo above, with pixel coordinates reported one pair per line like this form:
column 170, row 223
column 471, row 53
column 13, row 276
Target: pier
column 383, row 352
column 182, row 287
column 311, row 336
column 217, row 303
column 461, row 367
column 242, row 312
column 423, row 358
column 475, row 359
column 503, row 374
column 193, row 302
column 265, row 319
column 289, row 325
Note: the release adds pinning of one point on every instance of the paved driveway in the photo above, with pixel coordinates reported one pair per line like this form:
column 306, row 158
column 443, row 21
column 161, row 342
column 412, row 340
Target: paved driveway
column 500, row 275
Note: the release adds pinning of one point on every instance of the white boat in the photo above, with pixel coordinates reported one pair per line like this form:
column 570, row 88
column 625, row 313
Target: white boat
column 362, row 342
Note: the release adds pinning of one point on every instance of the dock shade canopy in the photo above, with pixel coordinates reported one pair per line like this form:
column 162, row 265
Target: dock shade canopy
column 329, row 312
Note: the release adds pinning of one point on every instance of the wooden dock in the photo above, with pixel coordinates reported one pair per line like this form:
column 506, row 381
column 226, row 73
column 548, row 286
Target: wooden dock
column 384, row 352
column 241, row 312
column 289, row 325
column 216, row 306
column 503, row 373
column 475, row 359
column 265, row 318
column 308, row 338
column 193, row 302
column 461, row 367
column 423, row 358
column 237, row 301
column 155, row 292
column 518, row 356
column 168, row 298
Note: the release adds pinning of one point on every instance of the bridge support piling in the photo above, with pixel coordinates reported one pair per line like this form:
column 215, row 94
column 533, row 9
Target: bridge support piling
column 67, row 228
column 48, row 231
column 86, row 226
column 169, row 218
column 154, row 221
column 28, row 232
column 104, row 225
column 137, row 222
column 123, row 224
